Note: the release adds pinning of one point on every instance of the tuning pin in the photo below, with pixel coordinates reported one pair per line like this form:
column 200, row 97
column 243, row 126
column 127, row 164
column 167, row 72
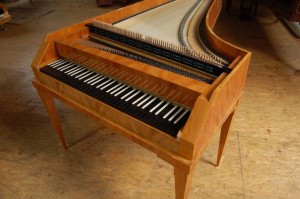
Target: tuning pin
column 207, row 57
column 180, row 49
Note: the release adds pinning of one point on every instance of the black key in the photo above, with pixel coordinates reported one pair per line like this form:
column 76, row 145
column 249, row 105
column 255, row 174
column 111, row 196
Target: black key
column 147, row 108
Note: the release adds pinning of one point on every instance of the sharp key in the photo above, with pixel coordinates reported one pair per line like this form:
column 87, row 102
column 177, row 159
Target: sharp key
column 145, row 100
column 123, row 85
column 175, row 114
column 147, row 104
column 166, row 115
column 129, row 98
column 121, row 91
column 162, row 108
column 57, row 62
column 124, row 96
column 113, row 88
column 156, row 106
column 181, row 116
column 140, row 98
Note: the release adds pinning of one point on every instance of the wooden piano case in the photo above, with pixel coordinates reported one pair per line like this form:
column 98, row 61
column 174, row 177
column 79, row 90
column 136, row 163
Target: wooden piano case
column 213, row 105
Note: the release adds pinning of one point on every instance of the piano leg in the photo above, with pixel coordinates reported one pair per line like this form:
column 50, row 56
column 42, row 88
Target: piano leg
column 223, row 136
column 183, row 181
column 48, row 101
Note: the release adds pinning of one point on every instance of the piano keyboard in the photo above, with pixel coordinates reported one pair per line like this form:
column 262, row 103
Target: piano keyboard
column 159, row 113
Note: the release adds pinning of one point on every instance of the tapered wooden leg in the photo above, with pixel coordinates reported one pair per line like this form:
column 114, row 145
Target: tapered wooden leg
column 223, row 137
column 182, row 183
column 49, row 104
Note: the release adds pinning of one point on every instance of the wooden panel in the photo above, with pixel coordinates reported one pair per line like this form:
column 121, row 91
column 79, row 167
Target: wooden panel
column 115, row 116
column 189, row 87
column 210, row 113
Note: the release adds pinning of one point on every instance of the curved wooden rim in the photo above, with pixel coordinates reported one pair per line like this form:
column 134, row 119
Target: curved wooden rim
column 223, row 47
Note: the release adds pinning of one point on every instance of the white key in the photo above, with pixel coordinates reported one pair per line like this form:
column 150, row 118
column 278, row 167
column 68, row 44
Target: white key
column 123, row 97
column 166, row 115
column 121, row 91
column 157, row 105
column 173, row 116
column 55, row 65
column 76, row 72
column 71, row 70
column 113, row 88
column 67, row 67
column 108, row 85
column 82, row 74
column 162, row 108
column 64, row 65
column 94, row 78
column 181, row 116
column 56, row 62
column 86, row 75
column 145, row 106
column 145, row 100
column 90, row 78
column 118, row 89
column 95, row 82
column 129, row 98
column 139, row 99
column 59, row 64
column 103, row 83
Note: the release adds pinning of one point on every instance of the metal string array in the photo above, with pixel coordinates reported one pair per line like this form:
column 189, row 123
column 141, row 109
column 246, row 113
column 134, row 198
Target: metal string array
column 157, row 42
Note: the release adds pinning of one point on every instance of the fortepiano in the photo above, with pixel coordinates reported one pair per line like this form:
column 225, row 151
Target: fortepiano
column 168, row 95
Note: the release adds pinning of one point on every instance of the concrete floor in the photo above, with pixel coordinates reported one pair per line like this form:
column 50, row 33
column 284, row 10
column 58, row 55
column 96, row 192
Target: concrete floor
column 262, row 153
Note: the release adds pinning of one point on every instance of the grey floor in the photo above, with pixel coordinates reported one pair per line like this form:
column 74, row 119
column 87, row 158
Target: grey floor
column 262, row 157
